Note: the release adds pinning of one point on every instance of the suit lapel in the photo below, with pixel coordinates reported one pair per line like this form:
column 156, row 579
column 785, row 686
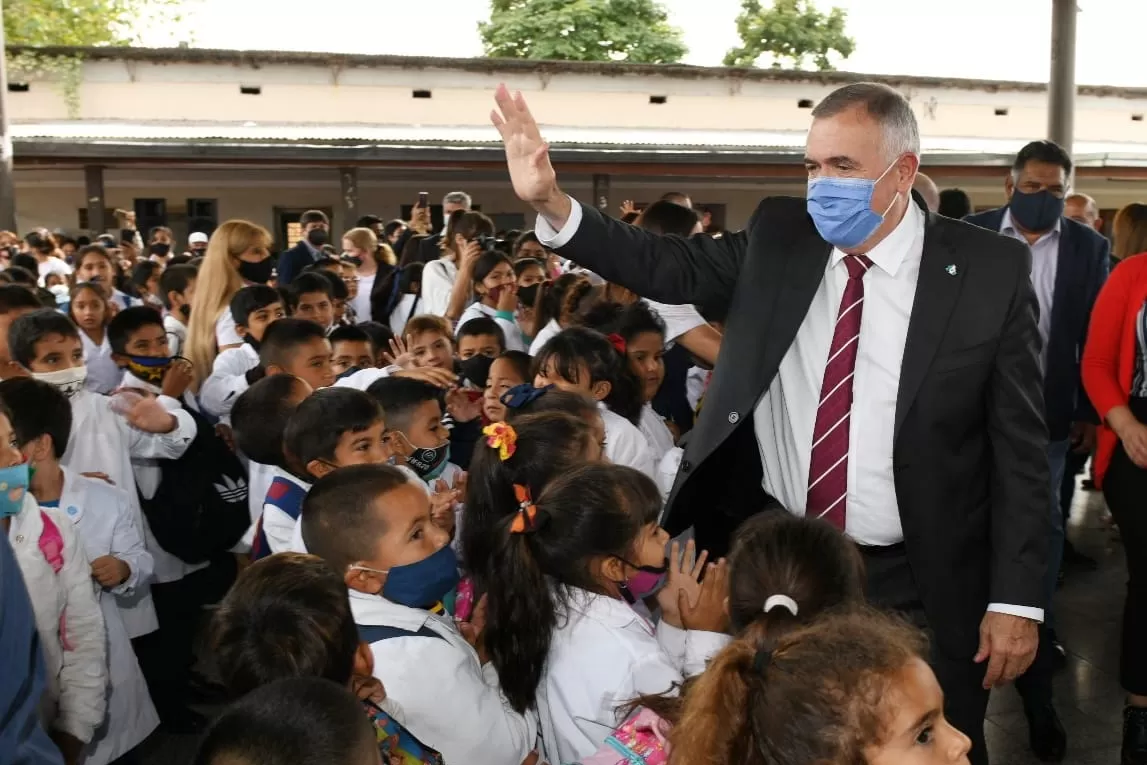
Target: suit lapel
column 942, row 270
column 803, row 271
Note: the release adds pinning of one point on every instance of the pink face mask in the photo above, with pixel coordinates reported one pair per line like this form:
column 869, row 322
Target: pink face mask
column 646, row 581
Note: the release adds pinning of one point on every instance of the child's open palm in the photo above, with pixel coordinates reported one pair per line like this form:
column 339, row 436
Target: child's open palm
column 148, row 415
column 684, row 578
column 709, row 613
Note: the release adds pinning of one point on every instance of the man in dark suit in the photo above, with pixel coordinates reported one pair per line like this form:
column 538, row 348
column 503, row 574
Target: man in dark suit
column 939, row 472
column 1069, row 265
column 316, row 233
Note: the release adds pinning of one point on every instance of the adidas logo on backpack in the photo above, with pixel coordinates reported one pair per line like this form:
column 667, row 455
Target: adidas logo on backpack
column 232, row 490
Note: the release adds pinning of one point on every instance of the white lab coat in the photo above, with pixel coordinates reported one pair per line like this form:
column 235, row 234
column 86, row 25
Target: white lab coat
column 603, row 655
column 448, row 699
column 176, row 333
column 102, row 441
column 625, row 444
column 278, row 527
column 74, row 702
column 656, row 433
column 544, row 336
column 408, row 305
column 228, row 379
column 515, row 341
column 103, row 374
column 102, row 516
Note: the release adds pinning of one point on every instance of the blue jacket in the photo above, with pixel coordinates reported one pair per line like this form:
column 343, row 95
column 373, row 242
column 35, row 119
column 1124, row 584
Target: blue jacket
column 22, row 682
column 292, row 262
column 1084, row 262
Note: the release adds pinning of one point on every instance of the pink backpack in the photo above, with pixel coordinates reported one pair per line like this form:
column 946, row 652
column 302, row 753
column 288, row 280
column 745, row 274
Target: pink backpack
column 640, row 740
column 52, row 547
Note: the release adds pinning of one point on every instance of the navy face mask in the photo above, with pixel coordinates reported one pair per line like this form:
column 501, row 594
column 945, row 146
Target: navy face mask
column 1037, row 212
column 423, row 584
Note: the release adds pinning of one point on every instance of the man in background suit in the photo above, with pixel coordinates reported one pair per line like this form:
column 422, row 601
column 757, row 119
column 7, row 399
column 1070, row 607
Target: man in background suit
column 939, row 472
column 430, row 248
column 316, row 233
column 1069, row 265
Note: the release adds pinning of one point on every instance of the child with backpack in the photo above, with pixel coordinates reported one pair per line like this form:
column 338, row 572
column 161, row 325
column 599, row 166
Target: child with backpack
column 260, row 419
column 120, row 563
column 562, row 630
column 373, row 527
column 253, row 308
column 68, row 620
column 290, row 616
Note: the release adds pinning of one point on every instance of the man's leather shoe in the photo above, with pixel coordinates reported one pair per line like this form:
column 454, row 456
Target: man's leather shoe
column 1074, row 558
column 1058, row 655
column 1134, row 736
column 1046, row 733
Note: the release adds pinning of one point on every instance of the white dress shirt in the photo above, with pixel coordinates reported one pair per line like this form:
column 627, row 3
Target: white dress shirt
column 1045, row 266
column 786, row 414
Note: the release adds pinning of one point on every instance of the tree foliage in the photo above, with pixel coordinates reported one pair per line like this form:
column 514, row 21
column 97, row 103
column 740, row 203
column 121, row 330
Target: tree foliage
column 790, row 32
column 82, row 22
column 582, row 30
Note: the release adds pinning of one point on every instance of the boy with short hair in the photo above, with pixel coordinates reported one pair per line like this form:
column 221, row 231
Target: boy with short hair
column 139, row 345
column 15, row 301
column 430, row 342
column 353, row 350
column 253, row 309
column 121, row 566
column 311, row 296
column 177, row 290
column 260, row 419
column 481, row 336
column 297, row 347
column 374, row 528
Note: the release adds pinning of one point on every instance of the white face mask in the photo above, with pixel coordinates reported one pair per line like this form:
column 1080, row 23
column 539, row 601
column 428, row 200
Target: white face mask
column 68, row 381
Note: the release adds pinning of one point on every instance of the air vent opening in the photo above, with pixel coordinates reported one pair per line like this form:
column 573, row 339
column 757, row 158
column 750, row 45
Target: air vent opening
column 18, row 87
column 251, row 90
column 1003, row 112
column 658, row 99
column 421, row 94
column 804, row 103
column 1136, row 117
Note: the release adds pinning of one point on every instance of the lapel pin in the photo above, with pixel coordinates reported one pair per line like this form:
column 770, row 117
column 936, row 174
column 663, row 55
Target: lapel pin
column 951, row 269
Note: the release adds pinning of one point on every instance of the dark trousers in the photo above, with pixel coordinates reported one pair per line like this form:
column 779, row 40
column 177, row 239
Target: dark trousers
column 1125, row 489
column 167, row 655
column 891, row 585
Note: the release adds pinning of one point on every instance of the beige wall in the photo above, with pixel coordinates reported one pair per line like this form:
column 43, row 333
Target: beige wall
column 141, row 90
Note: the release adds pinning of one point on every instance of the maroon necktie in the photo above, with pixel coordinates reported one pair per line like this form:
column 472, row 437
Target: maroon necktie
column 828, row 466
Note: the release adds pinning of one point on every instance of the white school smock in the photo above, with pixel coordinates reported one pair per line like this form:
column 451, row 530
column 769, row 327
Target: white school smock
column 176, row 333
column 656, row 432
column 446, row 696
column 75, row 699
column 438, row 277
column 102, row 441
column 228, row 379
column 103, row 374
column 225, row 331
column 510, row 329
column 278, row 527
column 408, row 306
column 625, row 444
column 544, row 336
column 102, row 516
column 603, row 655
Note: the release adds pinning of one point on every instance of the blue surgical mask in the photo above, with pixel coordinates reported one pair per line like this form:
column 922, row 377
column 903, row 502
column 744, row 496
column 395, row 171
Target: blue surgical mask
column 423, row 584
column 841, row 208
column 13, row 486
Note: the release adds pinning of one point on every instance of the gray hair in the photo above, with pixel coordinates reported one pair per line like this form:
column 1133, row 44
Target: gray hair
column 457, row 198
column 885, row 105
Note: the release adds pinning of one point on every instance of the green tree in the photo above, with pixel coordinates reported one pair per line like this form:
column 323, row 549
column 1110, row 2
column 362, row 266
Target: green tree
column 582, row 30
column 82, row 22
column 790, row 32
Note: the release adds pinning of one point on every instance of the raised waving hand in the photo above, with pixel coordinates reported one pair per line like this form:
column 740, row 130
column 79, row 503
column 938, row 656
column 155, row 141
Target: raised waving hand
column 528, row 157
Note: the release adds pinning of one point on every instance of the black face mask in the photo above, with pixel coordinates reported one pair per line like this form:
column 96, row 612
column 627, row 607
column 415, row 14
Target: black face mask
column 256, row 273
column 185, row 312
column 476, row 369
column 527, row 296
column 1037, row 212
column 160, row 249
column 250, row 340
column 317, row 237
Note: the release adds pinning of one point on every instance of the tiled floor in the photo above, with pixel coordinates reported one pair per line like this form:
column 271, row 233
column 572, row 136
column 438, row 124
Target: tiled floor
column 1087, row 693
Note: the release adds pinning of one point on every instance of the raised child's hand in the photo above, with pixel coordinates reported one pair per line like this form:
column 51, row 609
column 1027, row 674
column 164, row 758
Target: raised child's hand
column 149, row 416
column 684, row 578
column 708, row 614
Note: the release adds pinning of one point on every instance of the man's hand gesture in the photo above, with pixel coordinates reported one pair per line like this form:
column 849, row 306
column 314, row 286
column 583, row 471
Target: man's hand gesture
column 527, row 155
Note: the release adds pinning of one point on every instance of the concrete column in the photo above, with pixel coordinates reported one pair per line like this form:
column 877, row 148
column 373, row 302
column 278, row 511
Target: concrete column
column 94, row 192
column 601, row 193
column 348, row 184
column 7, row 185
column 1061, row 87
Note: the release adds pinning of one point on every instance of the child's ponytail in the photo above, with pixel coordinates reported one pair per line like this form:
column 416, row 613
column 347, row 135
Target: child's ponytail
column 716, row 727
column 521, row 612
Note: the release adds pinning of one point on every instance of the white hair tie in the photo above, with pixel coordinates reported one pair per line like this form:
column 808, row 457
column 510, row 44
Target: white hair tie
column 784, row 601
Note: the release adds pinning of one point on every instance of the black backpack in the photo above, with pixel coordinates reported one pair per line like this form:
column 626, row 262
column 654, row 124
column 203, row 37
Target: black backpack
column 200, row 508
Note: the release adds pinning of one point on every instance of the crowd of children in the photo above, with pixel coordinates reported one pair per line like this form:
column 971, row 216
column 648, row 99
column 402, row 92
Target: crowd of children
column 426, row 543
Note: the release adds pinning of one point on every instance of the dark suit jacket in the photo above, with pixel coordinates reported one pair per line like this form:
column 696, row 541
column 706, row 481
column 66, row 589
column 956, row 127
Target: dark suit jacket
column 1084, row 258
column 970, row 460
column 292, row 262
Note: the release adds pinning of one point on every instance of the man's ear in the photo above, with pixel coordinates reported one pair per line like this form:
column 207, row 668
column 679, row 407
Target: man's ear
column 1009, row 186
column 369, row 582
column 601, row 390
